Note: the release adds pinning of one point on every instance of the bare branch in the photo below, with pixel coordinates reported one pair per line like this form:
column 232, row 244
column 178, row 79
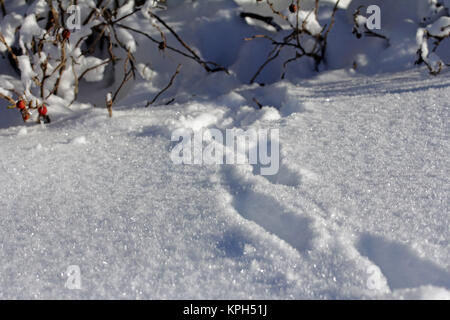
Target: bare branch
column 2, row 5
column 10, row 50
column 166, row 88
column 9, row 99
column 257, row 103
column 215, row 67
column 267, row 20
column 270, row 59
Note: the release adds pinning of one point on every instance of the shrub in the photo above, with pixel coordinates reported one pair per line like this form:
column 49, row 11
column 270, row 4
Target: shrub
column 54, row 45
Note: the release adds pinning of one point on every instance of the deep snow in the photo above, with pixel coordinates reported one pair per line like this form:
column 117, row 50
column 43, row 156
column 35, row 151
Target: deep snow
column 359, row 208
column 363, row 182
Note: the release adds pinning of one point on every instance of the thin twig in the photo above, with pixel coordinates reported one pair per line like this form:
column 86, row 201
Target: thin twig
column 267, row 20
column 205, row 64
column 166, row 88
column 260, row 69
column 10, row 50
column 76, row 84
column 93, row 68
column 126, row 76
column 9, row 99
column 2, row 4
column 258, row 103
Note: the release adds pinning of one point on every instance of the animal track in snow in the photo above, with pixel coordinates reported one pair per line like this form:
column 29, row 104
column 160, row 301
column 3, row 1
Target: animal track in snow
column 400, row 265
column 267, row 212
column 284, row 176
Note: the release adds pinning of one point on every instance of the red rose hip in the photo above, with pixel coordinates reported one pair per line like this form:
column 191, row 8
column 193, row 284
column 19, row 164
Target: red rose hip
column 42, row 110
column 26, row 116
column 293, row 8
column 66, row 34
column 21, row 105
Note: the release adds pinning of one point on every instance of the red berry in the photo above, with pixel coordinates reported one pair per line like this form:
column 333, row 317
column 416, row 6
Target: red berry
column 26, row 116
column 42, row 110
column 293, row 8
column 21, row 105
column 66, row 34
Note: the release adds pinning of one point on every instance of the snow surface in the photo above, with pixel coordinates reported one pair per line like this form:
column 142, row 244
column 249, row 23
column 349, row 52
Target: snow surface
column 363, row 182
column 358, row 210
